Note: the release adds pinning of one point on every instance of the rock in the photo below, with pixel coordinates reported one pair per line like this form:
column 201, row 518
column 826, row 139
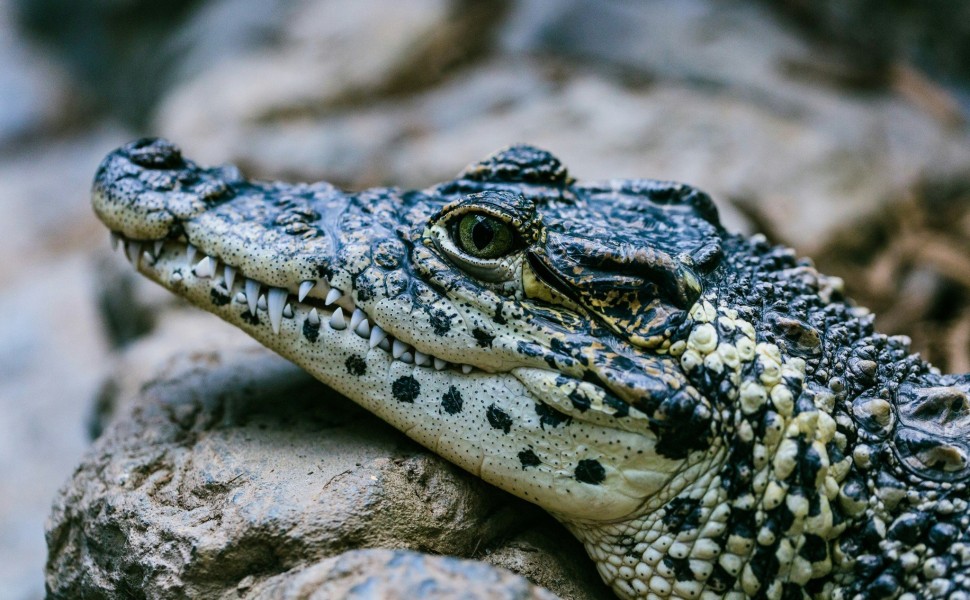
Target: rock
column 52, row 359
column 551, row 557
column 778, row 151
column 45, row 213
column 325, row 54
column 397, row 575
column 233, row 466
column 38, row 94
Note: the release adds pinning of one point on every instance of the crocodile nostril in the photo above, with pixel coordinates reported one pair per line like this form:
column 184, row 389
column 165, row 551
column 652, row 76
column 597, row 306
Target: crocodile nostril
column 155, row 153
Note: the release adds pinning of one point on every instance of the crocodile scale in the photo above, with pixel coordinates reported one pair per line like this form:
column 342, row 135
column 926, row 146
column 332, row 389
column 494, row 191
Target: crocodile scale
column 706, row 412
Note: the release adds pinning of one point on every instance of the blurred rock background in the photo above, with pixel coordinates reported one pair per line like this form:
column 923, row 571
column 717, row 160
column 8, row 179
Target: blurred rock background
column 837, row 127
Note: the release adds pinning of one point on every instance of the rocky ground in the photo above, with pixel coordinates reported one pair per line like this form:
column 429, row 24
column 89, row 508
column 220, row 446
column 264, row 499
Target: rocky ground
column 863, row 164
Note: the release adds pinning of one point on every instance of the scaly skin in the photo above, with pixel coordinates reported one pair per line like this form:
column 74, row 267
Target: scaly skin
column 705, row 412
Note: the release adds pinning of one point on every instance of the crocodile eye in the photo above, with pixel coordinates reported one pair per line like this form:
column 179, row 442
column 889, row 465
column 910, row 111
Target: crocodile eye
column 483, row 236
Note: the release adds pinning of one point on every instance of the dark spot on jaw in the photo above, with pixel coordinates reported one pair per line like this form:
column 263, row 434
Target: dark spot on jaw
column 452, row 401
column 249, row 317
column 579, row 400
column 218, row 297
column 483, row 338
column 550, row 416
column 498, row 318
column 590, row 471
column 620, row 408
column 405, row 389
column 365, row 289
column 310, row 331
column 356, row 365
column 528, row 458
column 498, row 418
column 440, row 322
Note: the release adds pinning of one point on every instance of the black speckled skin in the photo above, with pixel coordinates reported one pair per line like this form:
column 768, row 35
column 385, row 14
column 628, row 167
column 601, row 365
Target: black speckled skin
column 704, row 411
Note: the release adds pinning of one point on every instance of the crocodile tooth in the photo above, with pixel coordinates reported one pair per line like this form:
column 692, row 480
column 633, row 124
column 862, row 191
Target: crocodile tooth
column 133, row 252
column 407, row 358
column 332, row 296
column 466, row 369
column 377, row 335
column 356, row 318
column 385, row 344
column 398, row 348
column 288, row 311
column 115, row 238
column 337, row 320
column 241, row 298
column 313, row 318
column 252, row 294
column 363, row 329
column 261, row 303
column 230, row 274
column 421, row 359
column 158, row 247
column 439, row 364
column 275, row 304
column 189, row 254
column 305, row 288
column 206, row 267
column 177, row 276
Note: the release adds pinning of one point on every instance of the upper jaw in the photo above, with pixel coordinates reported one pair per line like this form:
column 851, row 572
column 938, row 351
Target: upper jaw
column 260, row 255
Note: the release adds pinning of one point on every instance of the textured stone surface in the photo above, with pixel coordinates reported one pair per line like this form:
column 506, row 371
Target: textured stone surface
column 232, row 466
column 397, row 575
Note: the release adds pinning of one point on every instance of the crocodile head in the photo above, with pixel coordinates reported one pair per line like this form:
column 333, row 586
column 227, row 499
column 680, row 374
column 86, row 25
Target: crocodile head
column 701, row 409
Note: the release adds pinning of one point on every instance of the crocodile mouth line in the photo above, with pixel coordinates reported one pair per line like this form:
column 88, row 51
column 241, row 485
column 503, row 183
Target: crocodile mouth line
column 276, row 303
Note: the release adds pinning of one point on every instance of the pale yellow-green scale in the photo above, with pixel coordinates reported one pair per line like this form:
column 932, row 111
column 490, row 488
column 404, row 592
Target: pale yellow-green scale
column 640, row 571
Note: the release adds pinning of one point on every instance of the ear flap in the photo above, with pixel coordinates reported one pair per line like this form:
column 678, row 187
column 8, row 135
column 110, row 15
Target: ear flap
column 934, row 428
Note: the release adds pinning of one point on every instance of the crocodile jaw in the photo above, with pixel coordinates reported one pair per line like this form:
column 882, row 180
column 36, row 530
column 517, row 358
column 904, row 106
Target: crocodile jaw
column 495, row 419
column 431, row 405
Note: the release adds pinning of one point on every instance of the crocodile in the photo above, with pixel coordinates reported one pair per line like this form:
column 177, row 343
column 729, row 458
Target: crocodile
column 705, row 411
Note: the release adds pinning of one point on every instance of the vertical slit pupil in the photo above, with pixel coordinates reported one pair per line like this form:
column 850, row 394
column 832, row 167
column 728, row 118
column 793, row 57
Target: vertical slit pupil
column 482, row 234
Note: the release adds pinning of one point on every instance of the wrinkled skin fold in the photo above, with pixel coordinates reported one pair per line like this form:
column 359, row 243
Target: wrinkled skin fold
column 705, row 412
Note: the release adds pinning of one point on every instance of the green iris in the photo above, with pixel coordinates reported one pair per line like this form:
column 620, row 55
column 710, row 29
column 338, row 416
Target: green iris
column 484, row 236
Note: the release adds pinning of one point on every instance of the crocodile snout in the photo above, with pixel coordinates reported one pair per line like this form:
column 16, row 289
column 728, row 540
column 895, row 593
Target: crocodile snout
column 144, row 189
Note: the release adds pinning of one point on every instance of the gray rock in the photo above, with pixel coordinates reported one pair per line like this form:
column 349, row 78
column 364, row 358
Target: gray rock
column 397, row 575
column 712, row 101
column 551, row 557
column 44, row 209
column 232, row 466
column 38, row 94
column 324, row 55
column 52, row 358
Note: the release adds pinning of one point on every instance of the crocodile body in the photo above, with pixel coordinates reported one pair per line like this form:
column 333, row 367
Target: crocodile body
column 704, row 411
